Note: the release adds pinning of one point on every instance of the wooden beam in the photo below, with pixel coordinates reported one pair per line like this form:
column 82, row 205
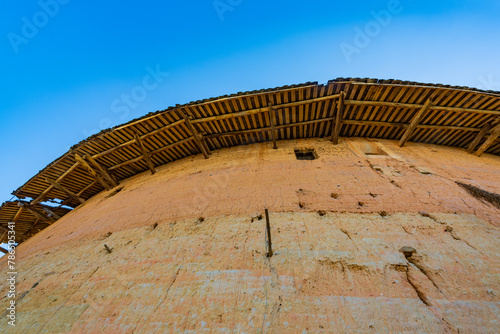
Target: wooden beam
column 272, row 120
column 196, row 135
column 59, row 179
column 69, row 193
column 145, row 153
column 133, row 141
column 3, row 250
column 102, row 170
column 491, row 139
column 414, row 122
column 344, row 121
column 17, row 215
column 36, row 213
column 86, row 188
column 264, row 109
column 479, row 137
column 92, row 172
column 161, row 149
column 338, row 119
column 416, row 106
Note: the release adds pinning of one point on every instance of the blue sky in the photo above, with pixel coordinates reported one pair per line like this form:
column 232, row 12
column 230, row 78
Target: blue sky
column 65, row 75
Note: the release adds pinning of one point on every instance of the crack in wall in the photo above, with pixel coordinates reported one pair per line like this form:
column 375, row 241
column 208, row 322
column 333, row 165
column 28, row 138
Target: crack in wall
column 420, row 293
column 416, row 262
column 349, row 236
column 447, row 229
column 425, row 299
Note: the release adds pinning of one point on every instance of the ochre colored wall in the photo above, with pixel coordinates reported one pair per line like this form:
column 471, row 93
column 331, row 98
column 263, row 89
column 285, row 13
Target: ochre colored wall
column 336, row 268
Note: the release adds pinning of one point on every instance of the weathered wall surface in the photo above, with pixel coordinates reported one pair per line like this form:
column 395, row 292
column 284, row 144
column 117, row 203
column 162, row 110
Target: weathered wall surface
column 337, row 224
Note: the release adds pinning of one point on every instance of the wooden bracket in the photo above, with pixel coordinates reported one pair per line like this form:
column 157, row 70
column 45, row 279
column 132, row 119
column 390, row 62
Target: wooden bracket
column 491, row 139
column 272, row 120
column 102, row 170
column 32, row 228
column 92, row 172
column 145, row 153
column 479, row 137
column 71, row 194
column 37, row 213
column 197, row 137
column 414, row 122
column 338, row 119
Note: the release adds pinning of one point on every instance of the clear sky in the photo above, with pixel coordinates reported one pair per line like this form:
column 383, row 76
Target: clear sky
column 70, row 68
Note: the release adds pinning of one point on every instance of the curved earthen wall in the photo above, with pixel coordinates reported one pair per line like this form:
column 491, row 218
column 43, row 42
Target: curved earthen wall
column 188, row 248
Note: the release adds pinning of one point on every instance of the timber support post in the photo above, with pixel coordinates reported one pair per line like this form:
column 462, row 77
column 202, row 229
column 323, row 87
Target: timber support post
column 145, row 153
column 338, row 119
column 479, row 137
column 102, row 170
column 197, row 137
column 92, row 172
column 414, row 122
column 491, row 139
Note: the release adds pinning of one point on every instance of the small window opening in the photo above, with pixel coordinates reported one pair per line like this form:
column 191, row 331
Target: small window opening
column 306, row 154
column 372, row 149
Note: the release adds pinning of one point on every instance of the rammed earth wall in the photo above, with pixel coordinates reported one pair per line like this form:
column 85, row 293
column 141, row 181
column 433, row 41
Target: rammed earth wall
column 187, row 251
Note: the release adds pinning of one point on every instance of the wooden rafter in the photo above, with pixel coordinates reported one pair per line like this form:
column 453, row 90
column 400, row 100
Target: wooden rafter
column 338, row 119
column 414, row 122
column 92, row 172
column 17, row 215
column 80, row 193
column 197, row 137
column 491, row 139
column 69, row 193
column 145, row 153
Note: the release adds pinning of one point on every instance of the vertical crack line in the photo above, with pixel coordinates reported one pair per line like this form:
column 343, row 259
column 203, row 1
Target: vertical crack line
column 69, row 297
column 173, row 279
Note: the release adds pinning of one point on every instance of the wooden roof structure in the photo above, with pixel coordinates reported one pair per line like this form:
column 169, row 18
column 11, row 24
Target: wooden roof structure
column 391, row 109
